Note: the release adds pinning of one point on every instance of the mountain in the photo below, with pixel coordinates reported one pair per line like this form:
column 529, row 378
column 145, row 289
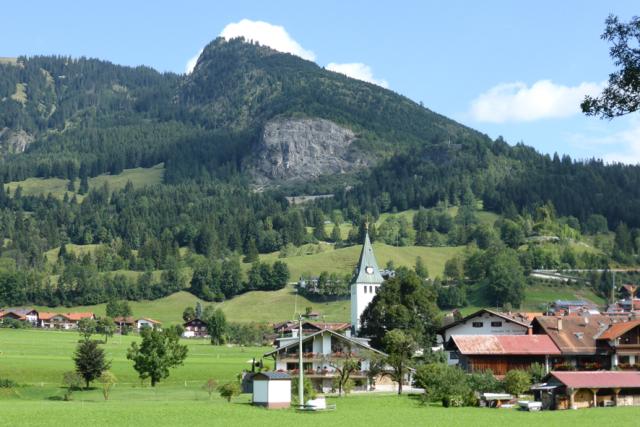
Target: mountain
column 248, row 127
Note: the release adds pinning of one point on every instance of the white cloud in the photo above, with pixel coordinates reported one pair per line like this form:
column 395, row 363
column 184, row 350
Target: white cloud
column 357, row 70
column 517, row 102
column 274, row 36
column 620, row 146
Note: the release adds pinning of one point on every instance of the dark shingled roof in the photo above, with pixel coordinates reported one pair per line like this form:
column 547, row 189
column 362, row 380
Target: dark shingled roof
column 577, row 334
column 271, row 376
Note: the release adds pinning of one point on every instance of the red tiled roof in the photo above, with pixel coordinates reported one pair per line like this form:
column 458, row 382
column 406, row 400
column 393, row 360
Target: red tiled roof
column 46, row 315
column 78, row 316
column 598, row 379
column 505, row 344
column 618, row 329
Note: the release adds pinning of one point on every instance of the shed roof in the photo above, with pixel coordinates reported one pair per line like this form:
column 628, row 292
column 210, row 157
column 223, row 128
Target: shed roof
column 618, row 329
column 271, row 376
column 505, row 345
column 598, row 379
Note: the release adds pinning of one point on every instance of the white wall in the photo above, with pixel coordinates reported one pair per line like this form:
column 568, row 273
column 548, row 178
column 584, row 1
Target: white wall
column 360, row 300
column 279, row 391
column 261, row 391
column 467, row 328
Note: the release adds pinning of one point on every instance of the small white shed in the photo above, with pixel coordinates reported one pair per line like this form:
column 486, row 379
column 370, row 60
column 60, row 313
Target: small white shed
column 272, row 390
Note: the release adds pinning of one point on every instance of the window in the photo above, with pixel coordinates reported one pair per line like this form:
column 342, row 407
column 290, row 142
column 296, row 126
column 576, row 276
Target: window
column 365, row 289
column 370, row 289
column 497, row 324
column 453, row 355
column 477, row 324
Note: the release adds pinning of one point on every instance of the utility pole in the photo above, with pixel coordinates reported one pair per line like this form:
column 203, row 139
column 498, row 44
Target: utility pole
column 300, row 366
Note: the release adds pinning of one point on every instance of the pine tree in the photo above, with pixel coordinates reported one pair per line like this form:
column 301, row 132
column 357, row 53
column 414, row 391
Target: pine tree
column 90, row 361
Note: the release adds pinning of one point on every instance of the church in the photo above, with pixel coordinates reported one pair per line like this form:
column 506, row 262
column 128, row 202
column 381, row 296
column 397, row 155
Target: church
column 366, row 283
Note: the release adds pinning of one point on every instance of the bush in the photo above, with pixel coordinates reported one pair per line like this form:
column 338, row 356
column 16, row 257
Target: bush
column 73, row 381
column 444, row 383
column 7, row 383
column 229, row 390
column 517, row 382
column 484, row 382
column 537, row 372
column 15, row 324
column 309, row 391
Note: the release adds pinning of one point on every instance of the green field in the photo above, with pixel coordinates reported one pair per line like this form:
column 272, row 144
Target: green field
column 36, row 360
column 57, row 187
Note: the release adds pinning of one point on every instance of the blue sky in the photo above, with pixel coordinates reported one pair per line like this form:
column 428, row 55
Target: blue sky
column 503, row 67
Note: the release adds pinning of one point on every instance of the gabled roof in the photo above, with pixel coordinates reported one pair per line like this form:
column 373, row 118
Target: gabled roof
column 509, row 318
column 368, row 271
column 21, row 311
column 505, row 345
column 597, row 379
column 577, row 335
column 339, row 336
column 12, row 314
column 78, row 316
column 46, row 315
column 342, row 326
column 148, row 319
column 618, row 329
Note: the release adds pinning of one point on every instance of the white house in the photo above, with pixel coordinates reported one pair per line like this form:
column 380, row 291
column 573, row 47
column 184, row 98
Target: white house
column 483, row 322
column 146, row 322
column 272, row 390
column 322, row 352
column 366, row 284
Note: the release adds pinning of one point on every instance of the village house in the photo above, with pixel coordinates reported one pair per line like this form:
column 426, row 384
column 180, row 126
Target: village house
column 482, row 322
column 501, row 353
column 622, row 340
column 575, row 390
column 21, row 314
column 575, row 337
column 62, row 320
column 323, row 351
column 195, row 328
column 135, row 324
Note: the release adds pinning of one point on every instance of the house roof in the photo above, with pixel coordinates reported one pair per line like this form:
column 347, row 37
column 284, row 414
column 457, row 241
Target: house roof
column 577, row 334
column 505, row 345
column 271, row 376
column 517, row 319
column 13, row 314
column 341, row 326
column 368, row 271
column 46, row 315
column 618, row 329
column 128, row 320
column 631, row 289
column 598, row 379
column 78, row 316
column 148, row 319
column 196, row 321
column 21, row 311
column 308, row 337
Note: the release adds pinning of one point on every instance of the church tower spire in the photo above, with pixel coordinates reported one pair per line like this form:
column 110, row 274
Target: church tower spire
column 366, row 283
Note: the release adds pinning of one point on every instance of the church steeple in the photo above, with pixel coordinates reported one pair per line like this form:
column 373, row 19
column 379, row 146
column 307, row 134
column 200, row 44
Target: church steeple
column 366, row 283
column 368, row 271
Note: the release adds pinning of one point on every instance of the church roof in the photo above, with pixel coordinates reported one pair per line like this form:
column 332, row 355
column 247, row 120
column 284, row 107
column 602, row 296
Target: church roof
column 368, row 271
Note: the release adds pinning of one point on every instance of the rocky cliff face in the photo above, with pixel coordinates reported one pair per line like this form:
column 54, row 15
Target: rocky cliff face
column 294, row 149
column 14, row 142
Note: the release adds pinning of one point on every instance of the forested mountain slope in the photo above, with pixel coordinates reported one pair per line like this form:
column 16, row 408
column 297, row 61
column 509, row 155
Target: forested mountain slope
column 249, row 115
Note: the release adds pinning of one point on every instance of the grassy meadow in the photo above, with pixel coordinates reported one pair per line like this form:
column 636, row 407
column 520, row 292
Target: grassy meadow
column 57, row 187
column 36, row 360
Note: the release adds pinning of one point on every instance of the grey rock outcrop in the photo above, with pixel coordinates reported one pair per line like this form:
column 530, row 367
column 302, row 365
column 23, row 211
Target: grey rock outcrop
column 14, row 142
column 292, row 149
